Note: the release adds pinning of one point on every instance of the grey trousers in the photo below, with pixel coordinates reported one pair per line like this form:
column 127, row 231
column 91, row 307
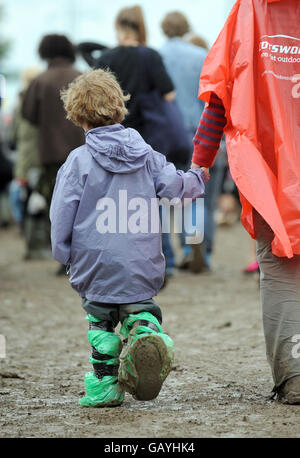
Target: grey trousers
column 118, row 312
column 280, row 297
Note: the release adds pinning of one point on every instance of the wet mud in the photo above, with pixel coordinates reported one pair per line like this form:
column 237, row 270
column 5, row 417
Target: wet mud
column 220, row 383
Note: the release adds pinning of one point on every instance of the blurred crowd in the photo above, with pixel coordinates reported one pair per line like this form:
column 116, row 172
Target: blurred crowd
column 35, row 144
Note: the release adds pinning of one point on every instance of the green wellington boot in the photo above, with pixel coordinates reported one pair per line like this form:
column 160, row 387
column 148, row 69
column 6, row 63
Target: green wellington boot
column 101, row 386
column 101, row 393
column 147, row 356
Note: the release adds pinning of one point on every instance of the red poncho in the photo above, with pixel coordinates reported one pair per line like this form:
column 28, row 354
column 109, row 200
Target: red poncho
column 254, row 68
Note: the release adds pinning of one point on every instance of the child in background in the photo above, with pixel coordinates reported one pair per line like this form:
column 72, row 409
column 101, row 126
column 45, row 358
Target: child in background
column 116, row 273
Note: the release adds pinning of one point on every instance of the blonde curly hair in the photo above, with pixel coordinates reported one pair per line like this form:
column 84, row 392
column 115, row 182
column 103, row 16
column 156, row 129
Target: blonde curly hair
column 95, row 99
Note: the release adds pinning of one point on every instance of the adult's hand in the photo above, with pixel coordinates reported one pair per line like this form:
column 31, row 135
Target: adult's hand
column 206, row 170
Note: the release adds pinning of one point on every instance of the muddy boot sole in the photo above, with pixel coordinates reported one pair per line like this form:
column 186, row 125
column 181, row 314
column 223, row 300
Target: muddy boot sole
column 148, row 365
column 148, row 355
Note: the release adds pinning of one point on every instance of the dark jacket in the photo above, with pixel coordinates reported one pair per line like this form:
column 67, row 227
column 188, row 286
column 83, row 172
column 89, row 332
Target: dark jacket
column 43, row 107
column 125, row 62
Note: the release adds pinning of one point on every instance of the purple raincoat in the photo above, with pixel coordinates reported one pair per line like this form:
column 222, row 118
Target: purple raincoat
column 117, row 266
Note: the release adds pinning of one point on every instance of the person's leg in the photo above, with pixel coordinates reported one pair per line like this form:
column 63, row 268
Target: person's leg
column 198, row 256
column 36, row 228
column 193, row 255
column 186, row 249
column 101, row 385
column 168, row 253
column 194, row 251
column 148, row 353
column 280, row 296
column 167, row 246
column 45, row 187
column 212, row 192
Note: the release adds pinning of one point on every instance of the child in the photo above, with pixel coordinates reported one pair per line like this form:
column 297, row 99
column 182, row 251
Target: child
column 116, row 272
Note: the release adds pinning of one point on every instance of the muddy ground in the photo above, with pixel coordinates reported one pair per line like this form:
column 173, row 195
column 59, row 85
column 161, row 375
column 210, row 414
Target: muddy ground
column 220, row 383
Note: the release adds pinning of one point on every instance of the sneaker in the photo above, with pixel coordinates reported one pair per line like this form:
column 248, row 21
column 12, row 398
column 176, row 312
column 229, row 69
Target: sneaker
column 289, row 392
column 251, row 268
column 145, row 361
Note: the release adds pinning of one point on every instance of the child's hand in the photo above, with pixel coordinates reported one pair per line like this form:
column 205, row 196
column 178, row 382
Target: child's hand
column 206, row 170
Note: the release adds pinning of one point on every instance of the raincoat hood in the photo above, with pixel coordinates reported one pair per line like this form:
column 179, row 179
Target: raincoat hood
column 117, row 149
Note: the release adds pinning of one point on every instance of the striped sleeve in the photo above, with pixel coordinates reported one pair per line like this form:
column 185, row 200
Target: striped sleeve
column 209, row 133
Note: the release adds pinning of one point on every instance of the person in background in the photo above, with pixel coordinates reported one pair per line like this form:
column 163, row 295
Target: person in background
column 6, row 175
column 125, row 62
column 184, row 61
column 28, row 204
column 24, row 134
column 43, row 108
column 6, row 168
column 26, row 170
